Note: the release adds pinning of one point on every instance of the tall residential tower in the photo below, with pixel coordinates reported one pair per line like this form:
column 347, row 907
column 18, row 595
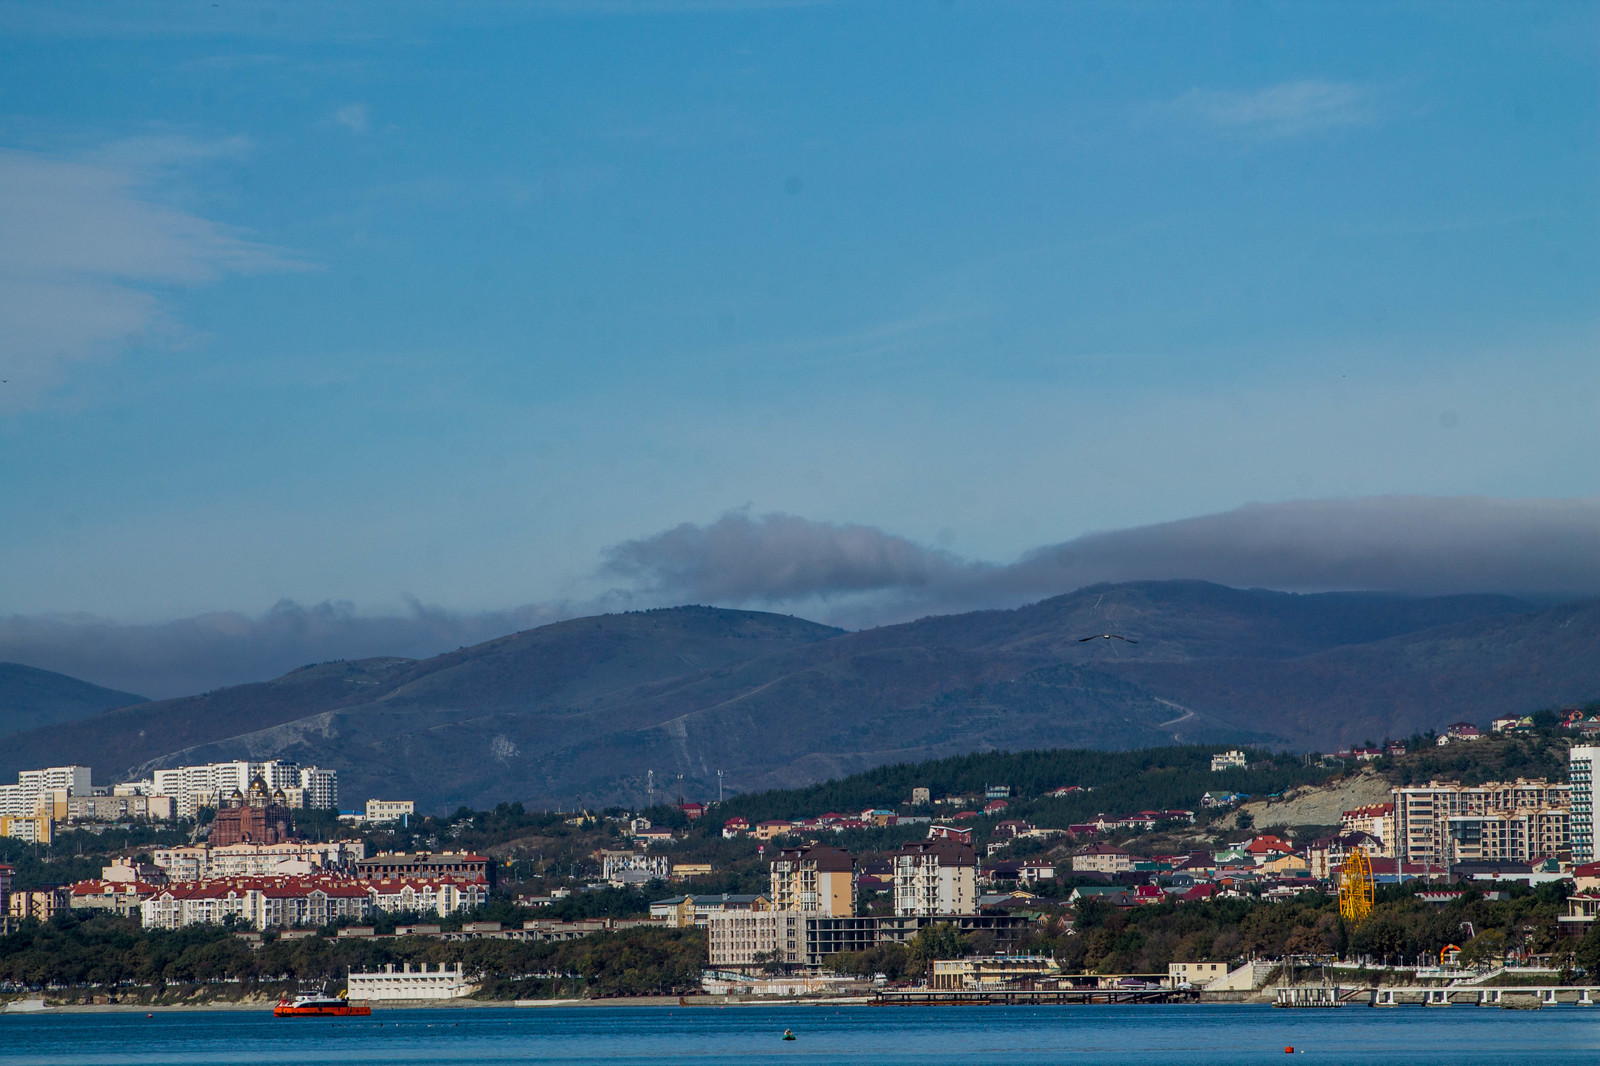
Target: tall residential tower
column 1581, row 763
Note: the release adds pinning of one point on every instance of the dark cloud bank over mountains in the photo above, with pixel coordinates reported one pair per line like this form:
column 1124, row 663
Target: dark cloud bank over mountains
column 863, row 576
column 859, row 576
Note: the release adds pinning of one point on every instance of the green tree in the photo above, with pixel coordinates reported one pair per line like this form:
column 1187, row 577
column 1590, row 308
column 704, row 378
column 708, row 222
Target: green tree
column 941, row 940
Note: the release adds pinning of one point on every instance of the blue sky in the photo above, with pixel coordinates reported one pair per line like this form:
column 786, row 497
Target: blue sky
column 448, row 301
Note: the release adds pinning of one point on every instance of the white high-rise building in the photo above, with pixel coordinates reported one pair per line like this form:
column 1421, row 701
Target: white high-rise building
column 35, row 788
column 1581, row 763
column 321, row 787
column 938, row 876
column 209, row 784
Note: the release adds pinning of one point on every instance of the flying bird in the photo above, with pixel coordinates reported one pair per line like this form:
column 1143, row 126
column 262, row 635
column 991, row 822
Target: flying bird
column 1107, row 636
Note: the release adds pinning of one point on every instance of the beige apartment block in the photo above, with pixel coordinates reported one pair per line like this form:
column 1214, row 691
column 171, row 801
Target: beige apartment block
column 742, row 939
column 817, row 880
column 1487, row 820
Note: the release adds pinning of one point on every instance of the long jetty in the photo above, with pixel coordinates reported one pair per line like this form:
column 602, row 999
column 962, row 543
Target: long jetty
column 1511, row 997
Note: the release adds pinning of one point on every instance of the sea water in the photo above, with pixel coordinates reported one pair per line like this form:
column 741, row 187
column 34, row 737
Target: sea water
column 881, row 1036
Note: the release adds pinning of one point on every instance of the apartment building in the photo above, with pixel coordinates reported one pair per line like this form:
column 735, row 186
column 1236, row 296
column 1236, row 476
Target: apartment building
column 743, row 940
column 207, row 784
column 33, row 828
column 1502, row 836
column 1375, row 820
column 1324, row 856
column 319, row 789
column 1228, row 760
column 740, row 939
column 937, row 876
column 460, row 864
column 1581, row 764
column 120, row 808
column 817, row 880
column 42, row 788
column 293, row 859
column 270, row 902
column 203, row 785
column 42, row 903
column 1423, row 817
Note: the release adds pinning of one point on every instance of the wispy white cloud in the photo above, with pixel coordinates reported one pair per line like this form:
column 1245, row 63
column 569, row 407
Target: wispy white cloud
column 86, row 247
column 1284, row 110
column 352, row 117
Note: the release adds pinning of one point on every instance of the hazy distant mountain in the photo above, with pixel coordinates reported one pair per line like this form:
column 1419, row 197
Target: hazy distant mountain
column 580, row 710
column 31, row 698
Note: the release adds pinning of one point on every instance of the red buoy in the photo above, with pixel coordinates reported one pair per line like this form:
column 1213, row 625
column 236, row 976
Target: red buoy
column 1288, row 1051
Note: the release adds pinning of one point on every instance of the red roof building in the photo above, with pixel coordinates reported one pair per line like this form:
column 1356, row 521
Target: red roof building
column 950, row 832
column 1269, row 845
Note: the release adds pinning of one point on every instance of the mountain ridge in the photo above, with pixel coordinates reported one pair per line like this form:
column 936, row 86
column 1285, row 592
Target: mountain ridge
column 31, row 698
column 578, row 711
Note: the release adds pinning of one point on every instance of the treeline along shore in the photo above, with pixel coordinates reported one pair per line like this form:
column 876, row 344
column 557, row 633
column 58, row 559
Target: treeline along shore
column 106, row 959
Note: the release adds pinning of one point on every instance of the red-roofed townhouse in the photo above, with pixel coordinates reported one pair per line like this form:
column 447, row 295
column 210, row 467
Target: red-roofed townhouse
column 1148, row 894
column 118, row 897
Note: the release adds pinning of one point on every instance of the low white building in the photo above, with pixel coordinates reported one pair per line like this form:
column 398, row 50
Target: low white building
column 1218, row 976
column 633, row 867
column 725, row 983
column 1228, row 760
column 390, row 810
column 409, row 984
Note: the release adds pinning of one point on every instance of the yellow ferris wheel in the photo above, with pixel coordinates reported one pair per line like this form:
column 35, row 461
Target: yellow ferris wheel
column 1355, row 886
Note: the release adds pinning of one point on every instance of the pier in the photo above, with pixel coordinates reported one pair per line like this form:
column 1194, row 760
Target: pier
column 1313, row 996
column 1511, row 997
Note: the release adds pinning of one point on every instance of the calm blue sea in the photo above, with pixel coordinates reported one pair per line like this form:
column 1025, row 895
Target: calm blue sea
column 979, row 1036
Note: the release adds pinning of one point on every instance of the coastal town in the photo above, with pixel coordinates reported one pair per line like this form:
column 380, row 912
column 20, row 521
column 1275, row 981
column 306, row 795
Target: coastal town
column 582, row 532
column 950, row 892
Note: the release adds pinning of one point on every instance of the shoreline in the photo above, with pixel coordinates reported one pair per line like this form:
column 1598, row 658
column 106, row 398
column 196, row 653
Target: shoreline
column 686, row 1002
